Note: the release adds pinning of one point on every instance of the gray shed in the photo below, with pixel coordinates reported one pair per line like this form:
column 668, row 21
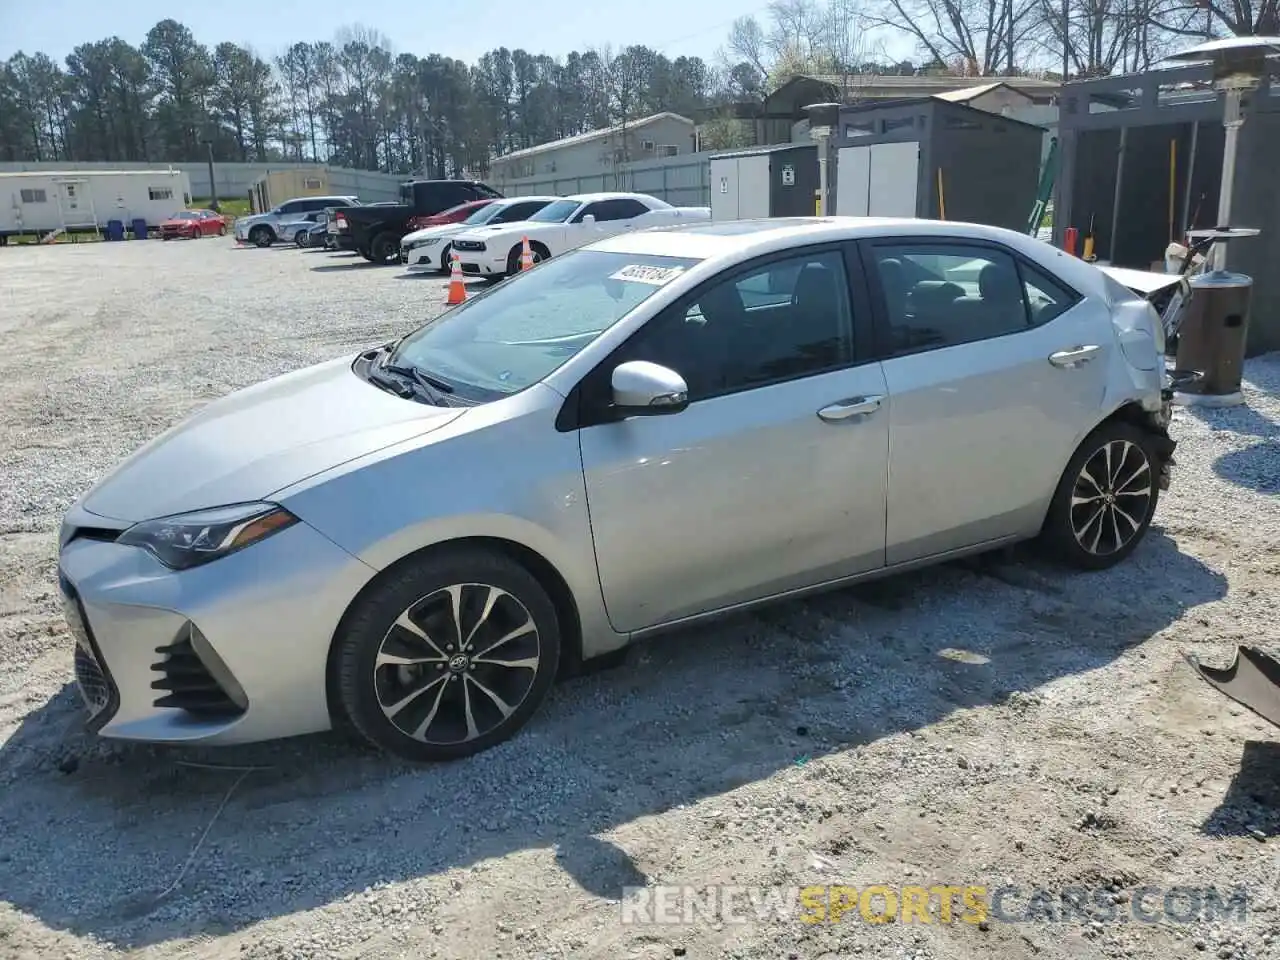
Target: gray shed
column 776, row 181
column 1142, row 164
column 891, row 157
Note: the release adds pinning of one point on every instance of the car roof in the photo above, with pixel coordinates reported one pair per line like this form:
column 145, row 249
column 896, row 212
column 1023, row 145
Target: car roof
column 608, row 195
column 524, row 199
column 714, row 237
column 733, row 240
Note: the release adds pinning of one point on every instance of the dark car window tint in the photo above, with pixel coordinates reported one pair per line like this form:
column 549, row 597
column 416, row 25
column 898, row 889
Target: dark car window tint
column 788, row 319
column 946, row 294
column 519, row 211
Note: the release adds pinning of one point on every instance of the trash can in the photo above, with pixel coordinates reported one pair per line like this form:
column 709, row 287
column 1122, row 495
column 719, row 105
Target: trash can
column 115, row 230
column 1211, row 340
column 139, row 229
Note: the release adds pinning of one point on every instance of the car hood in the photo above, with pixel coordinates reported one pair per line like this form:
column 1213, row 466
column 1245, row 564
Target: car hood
column 253, row 218
column 440, row 230
column 524, row 228
column 177, row 223
column 248, row 445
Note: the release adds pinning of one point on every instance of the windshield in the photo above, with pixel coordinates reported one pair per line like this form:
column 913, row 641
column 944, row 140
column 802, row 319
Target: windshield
column 558, row 211
column 518, row 333
column 186, row 215
column 485, row 213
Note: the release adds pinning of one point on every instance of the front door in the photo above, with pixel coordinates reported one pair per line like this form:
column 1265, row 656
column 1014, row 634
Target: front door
column 983, row 421
column 74, row 203
column 773, row 478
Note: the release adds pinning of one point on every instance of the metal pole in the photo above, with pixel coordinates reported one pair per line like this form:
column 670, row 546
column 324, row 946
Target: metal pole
column 213, row 186
column 1191, row 171
column 822, row 176
column 1231, row 121
column 1115, row 202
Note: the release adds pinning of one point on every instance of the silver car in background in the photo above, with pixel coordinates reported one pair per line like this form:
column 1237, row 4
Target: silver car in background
column 264, row 229
column 654, row 429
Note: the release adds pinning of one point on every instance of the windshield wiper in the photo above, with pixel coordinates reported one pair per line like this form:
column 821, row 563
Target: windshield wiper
column 419, row 376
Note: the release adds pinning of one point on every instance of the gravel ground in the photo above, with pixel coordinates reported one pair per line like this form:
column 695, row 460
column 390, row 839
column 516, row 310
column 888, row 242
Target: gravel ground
column 990, row 723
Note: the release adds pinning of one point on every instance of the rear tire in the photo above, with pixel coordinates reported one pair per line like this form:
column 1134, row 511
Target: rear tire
column 484, row 644
column 384, row 249
column 1105, row 500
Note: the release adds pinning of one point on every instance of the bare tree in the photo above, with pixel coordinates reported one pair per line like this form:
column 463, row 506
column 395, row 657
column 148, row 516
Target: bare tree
column 977, row 37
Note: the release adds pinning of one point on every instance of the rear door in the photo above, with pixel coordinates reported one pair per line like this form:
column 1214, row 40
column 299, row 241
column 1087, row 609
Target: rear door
column 995, row 371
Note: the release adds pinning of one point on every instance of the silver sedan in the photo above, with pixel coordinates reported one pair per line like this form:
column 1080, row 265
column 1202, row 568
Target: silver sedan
column 654, row 429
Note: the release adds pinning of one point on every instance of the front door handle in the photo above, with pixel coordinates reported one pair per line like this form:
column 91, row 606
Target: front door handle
column 852, row 407
column 1074, row 356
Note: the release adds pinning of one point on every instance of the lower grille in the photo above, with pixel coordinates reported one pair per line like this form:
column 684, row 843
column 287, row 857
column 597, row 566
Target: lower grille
column 96, row 688
column 471, row 268
column 93, row 683
column 189, row 684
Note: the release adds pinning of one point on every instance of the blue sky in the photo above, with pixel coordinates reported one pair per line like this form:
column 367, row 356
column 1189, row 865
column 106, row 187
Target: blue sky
column 675, row 27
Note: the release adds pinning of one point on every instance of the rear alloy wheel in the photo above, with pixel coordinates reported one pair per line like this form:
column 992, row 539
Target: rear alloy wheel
column 384, row 249
column 1106, row 498
column 448, row 656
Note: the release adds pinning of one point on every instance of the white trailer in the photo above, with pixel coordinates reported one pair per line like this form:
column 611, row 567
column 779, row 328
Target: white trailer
column 74, row 201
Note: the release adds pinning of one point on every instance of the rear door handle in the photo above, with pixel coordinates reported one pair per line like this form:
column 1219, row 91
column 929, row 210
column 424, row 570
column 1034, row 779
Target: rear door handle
column 852, row 407
column 1074, row 356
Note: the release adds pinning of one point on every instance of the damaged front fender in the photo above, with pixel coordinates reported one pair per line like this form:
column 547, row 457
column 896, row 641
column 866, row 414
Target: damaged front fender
column 1252, row 680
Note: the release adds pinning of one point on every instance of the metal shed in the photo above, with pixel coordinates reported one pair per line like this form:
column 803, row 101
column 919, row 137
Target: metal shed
column 777, row 181
column 899, row 158
column 1141, row 159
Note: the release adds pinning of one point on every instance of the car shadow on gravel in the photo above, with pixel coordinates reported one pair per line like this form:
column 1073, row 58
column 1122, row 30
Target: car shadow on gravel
column 93, row 834
column 1251, row 806
column 1253, row 467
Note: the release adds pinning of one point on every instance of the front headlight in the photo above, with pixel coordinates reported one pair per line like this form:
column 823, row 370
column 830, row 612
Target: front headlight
column 191, row 539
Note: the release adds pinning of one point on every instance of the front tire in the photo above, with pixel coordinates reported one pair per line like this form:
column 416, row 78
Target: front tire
column 1105, row 500
column 447, row 656
column 262, row 236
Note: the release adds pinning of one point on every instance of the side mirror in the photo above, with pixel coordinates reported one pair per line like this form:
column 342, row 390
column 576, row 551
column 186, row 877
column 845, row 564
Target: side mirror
column 590, row 218
column 644, row 389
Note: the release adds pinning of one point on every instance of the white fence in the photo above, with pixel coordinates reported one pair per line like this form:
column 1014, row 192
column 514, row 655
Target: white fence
column 681, row 181
column 235, row 179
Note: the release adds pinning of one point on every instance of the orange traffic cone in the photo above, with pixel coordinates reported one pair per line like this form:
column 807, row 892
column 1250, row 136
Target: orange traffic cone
column 526, row 257
column 457, row 286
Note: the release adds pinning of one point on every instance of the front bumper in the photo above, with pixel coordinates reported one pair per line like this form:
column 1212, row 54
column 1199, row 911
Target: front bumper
column 482, row 263
column 420, row 258
column 234, row 651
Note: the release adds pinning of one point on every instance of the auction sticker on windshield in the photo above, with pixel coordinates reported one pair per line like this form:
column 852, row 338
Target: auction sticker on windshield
column 639, row 273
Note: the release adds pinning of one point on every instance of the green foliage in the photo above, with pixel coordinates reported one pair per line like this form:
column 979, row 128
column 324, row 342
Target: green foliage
column 349, row 102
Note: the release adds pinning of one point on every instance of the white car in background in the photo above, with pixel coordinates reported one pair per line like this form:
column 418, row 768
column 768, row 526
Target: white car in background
column 494, row 252
column 430, row 247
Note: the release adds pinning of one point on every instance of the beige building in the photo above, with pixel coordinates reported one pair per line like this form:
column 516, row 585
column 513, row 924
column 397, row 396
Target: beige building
column 597, row 152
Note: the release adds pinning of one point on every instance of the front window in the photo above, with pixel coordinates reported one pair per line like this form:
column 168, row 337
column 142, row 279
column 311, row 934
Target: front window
column 516, row 334
column 484, row 214
column 558, row 211
column 186, row 215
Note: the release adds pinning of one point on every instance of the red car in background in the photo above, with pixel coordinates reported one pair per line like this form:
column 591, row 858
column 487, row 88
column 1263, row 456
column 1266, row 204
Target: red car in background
column 452, row 215
column 193, row 224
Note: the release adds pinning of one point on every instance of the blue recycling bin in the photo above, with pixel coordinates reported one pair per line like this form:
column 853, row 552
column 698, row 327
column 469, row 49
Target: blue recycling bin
column 139, row 229
column 115, row 230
